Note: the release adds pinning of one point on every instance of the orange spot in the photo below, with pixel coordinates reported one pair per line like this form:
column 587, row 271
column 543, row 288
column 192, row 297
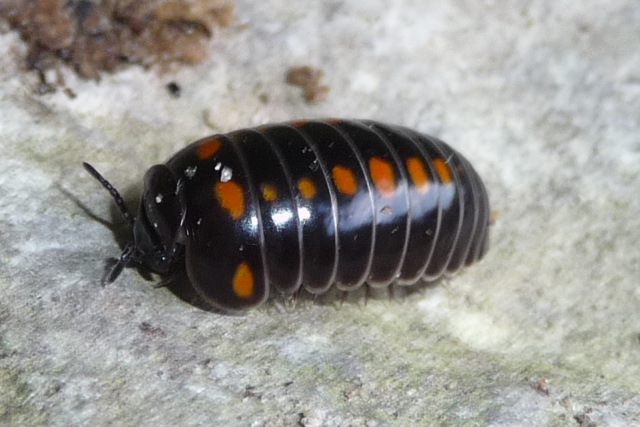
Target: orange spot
column 382, row 175
column 231, row 198
column 418, row 174
column 442, row 170
column 243, row 282
column 208, row 148
column 333, row 121
column 307, row 188
column 298, row 123
column 345, row 180
column 269, row 192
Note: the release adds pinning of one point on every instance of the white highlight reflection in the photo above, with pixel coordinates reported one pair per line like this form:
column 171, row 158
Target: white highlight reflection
column 304, row 213
column 282, row 217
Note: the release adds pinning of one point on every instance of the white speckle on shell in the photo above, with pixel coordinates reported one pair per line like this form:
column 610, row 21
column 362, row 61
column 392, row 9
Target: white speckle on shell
column 226, row 174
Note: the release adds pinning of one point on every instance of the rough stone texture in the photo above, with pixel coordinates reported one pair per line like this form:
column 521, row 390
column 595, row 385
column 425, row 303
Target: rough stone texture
column 544, row 98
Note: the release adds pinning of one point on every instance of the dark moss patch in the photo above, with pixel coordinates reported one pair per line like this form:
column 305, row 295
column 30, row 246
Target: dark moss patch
column 106, row 35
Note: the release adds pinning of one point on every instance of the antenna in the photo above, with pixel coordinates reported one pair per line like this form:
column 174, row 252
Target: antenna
column 111, row 189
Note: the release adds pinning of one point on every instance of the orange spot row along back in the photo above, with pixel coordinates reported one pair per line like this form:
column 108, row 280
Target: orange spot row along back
column 243, row 282
column 345, row 180
column 382, row 175
column 418, row 174
column 208, row 149
column 231, row 198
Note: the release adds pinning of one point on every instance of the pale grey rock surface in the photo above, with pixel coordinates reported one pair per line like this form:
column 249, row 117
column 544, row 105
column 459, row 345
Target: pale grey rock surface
column 542, row 97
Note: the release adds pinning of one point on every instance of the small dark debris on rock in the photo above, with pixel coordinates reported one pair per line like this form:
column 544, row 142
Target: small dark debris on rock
column 174, row 89
column 150, row 330
column 583, row 420
column 249, row 392
column 541, row 386
column 106, row 35
column 52, row 80
column 308, row 78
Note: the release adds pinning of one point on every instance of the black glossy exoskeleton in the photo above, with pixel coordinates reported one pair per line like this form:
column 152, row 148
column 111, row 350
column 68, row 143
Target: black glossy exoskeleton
column 311, row 204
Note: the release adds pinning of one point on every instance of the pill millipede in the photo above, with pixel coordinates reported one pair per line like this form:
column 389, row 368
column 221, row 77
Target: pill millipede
column 306, row 204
